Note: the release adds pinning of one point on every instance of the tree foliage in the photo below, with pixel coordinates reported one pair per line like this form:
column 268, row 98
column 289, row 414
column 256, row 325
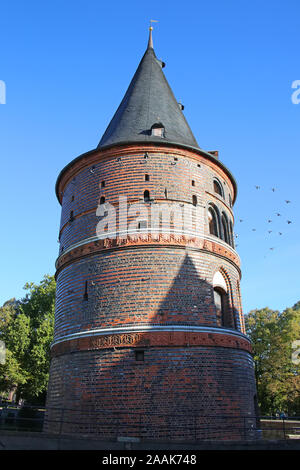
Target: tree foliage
column 277, row 376
column 26, row 327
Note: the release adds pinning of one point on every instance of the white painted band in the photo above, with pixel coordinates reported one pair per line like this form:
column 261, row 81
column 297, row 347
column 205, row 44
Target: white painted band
column 145, row 328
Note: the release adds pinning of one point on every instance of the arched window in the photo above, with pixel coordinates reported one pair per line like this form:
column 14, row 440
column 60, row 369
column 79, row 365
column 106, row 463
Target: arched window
column 213, row 222
column 146, row 196
column 225, row 229
column 220, row 304
column 218, row 188
column 221, row 299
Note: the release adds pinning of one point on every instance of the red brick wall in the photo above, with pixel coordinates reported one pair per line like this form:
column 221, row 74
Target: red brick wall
column 149, row 288
column 183, row 390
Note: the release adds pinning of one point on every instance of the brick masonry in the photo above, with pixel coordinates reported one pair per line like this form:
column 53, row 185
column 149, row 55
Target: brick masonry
column 152, row 293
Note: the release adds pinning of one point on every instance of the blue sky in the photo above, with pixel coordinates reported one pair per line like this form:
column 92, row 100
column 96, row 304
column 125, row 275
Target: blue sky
column 67, row 64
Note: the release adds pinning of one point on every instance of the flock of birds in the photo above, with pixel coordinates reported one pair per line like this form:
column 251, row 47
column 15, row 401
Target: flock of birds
column 269, row 220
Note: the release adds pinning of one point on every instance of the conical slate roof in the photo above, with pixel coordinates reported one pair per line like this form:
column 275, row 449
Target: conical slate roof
column 149, row 100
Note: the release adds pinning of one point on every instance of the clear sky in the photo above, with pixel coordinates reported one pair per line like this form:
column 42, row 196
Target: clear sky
column 66, row 66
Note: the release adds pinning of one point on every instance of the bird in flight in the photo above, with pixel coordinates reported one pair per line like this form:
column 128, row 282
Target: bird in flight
column 289, row 221
column 257, row 187
column 273, row 189
column 287, row 201
column 269, row 220
column 278, row 215
column 269, row 231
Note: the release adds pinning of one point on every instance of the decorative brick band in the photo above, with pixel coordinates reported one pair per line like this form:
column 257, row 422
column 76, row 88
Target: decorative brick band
column 95, row 246
column 151, row 339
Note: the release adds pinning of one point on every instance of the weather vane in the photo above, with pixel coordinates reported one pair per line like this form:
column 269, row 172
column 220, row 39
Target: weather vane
column 152, row 21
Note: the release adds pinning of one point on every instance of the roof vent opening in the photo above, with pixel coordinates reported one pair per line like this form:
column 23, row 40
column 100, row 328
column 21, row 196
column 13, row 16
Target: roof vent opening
column 181, row 106
column 158, row 130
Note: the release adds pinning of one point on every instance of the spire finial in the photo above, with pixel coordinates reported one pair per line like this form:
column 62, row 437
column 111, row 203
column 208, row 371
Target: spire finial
column 150, row 42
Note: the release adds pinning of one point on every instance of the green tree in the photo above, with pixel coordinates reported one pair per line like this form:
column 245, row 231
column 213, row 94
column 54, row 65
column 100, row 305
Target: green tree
column 27, row 327
column 272, row 334
column 15, row 334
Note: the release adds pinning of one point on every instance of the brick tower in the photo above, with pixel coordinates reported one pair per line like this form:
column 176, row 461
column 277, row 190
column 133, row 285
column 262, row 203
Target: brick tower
column 149, row 332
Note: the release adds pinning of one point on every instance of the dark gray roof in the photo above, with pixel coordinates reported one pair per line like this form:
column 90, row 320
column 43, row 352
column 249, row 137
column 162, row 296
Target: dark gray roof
column 148, row 100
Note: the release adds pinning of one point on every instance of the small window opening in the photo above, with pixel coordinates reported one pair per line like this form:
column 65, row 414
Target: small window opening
column 193, row 182
column 142, row 224
column 194, row 200
column 72, row 198
column 102, row 200
column 139, row 356
column 158, row 130
column 146, row 196
column 147, row 178
column 102, row 184
column 71, row 216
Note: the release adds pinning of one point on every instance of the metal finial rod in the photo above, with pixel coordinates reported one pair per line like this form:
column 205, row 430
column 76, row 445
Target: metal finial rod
column 150, row 41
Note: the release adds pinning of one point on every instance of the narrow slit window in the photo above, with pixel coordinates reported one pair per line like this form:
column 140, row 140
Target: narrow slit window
column 102, row 184
column 85, row 295
column 147, row 178
column 194, row 199
column 102, row 200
